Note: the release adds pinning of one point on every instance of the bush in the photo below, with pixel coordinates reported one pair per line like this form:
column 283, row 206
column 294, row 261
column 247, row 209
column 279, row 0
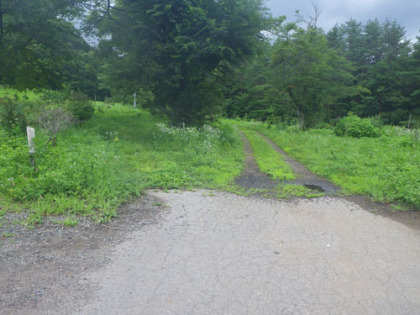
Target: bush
column 54, row 120
column 12, row 117
column 81, row 107
column 356, row 127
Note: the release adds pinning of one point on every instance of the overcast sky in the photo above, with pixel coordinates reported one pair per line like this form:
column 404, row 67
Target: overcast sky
column 405, row 12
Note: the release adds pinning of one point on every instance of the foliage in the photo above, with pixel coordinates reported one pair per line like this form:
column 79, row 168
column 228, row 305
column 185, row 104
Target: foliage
column 116, row 155
column 297, row 78
column 309, row 74
column 385, row 168
column 54, row 120
column 80, row 106
column 314, row 78
column 39, row 46
column 22, row 108
column 12, row 118
column 354, row 126
column 381, row 58
column 180, row 51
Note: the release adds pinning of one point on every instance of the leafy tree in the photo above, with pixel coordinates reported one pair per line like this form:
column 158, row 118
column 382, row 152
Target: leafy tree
column 311, row 75
column 39, row 45
column 249, row 92
column 354, row 50
column 336, row 39
column 373, row 38
column 181, row 51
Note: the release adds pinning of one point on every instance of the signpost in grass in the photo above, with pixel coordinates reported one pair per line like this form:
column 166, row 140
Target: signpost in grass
column 31, row 144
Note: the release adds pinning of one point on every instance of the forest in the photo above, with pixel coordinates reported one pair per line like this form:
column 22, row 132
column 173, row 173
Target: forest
column 200, row 70
column 197, row 60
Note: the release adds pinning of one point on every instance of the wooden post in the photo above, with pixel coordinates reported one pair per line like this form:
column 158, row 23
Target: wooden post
column 135, row 101
column 31, row 144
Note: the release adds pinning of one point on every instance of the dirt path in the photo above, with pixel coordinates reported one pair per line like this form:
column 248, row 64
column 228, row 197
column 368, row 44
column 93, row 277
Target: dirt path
column 207, row 252
column 304, row 176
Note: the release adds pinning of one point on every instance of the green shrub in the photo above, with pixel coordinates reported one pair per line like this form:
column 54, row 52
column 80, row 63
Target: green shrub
column 81, row 107
column 356, row 127
column 12, row 117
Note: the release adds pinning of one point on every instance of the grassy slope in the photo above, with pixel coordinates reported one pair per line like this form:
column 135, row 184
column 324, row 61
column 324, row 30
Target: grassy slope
column 97, row 166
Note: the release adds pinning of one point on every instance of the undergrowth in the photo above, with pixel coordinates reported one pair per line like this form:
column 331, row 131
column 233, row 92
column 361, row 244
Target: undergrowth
column 106, row 161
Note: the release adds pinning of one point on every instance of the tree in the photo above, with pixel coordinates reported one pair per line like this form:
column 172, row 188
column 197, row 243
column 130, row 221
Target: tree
column 413, row 79
column 311, row 75
column 380, row 56
column 181, row 50
column 39, row 45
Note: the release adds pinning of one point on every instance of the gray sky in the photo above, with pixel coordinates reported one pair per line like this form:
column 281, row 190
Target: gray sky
column 405, row 12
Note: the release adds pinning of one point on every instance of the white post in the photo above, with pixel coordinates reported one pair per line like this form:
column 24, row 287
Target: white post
column 31, row 144
column 135, row 101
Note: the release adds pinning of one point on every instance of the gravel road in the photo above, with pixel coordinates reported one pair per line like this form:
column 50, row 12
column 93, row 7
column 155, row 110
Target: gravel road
column 207, row 252
column 218, row 253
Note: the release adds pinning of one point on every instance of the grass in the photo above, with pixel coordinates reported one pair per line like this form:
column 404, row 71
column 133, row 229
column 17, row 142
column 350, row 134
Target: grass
column 109, row 160
column 272, row 163
column 120, row 152
column 386, row 168
column 28, row 94
column 171, row 158
column 268, row 159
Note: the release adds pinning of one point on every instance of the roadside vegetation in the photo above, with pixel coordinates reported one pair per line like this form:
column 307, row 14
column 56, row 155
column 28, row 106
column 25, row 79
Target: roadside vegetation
column 92, row 156
column 97, row 164
column 386, row 167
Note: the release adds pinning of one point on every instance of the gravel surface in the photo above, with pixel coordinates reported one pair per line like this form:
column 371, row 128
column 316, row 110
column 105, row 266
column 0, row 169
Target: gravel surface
column 219, row 253
column 41, row 268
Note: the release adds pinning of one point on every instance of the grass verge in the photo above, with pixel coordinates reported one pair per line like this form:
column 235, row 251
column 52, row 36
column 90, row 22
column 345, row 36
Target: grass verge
column 99, row 165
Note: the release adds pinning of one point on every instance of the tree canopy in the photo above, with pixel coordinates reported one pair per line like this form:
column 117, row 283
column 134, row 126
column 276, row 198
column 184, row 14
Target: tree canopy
column 39, row 46
column 194, row 60
column 181, row 51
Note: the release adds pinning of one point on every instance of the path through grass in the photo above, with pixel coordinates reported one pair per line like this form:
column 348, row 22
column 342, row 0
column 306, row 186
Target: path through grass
column 386, row 168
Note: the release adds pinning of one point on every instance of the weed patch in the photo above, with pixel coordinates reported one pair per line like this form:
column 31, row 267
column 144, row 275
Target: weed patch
column 111, row 158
